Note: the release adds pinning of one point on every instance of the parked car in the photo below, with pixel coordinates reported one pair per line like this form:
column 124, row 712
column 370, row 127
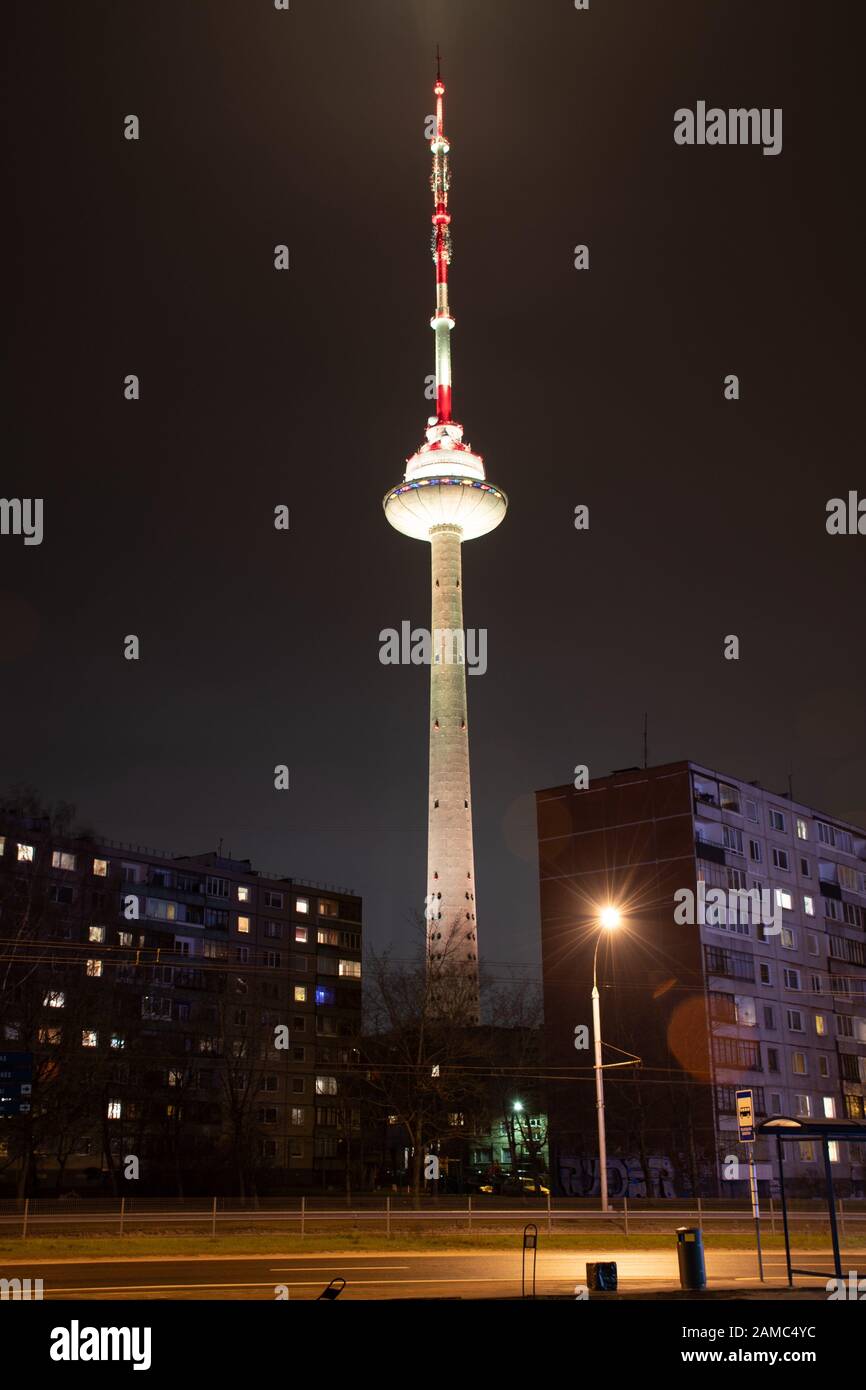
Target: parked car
column 516, row 1187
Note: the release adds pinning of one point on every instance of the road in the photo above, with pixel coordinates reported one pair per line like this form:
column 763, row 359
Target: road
column 389, row 1274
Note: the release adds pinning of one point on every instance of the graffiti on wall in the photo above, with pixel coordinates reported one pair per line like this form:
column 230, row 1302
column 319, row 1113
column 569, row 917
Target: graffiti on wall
column 578, row 1177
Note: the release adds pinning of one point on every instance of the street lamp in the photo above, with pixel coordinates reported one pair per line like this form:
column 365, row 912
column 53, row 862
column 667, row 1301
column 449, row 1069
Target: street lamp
column 609, row 918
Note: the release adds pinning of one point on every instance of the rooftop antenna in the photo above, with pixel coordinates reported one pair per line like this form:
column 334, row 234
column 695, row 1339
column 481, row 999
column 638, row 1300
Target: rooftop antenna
column 438, row 65
column 645, row 761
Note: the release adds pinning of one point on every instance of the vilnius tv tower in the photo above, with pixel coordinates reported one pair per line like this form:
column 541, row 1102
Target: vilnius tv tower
column 444, row 499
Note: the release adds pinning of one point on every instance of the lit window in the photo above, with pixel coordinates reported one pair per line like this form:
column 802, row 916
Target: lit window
column 301, row 933
column 88, row 1038
column 118, row 1041
column 807, row 1153
column 829, row 1107
column 326, row 1085
column 784, row 899
column 61, row 860
column 833, row 1151
column 297, row 1114
column 802, row 829
column 788, row 939
column 328, row 908
column 50, row 1036
column 94, row 969
column 324, row 994
column 350, row 968
column 124, row 938
column 54, row 999
column 100, row 868
column 114, row 1109
column 302, row 905
column 96, row 933
column 820, row 1025
column 2, row 844
column 245, row 894
column 808, row 905
column 733, row 839
column 300, row 994
column 243, row 924
column 25, row 854
column 162, row 910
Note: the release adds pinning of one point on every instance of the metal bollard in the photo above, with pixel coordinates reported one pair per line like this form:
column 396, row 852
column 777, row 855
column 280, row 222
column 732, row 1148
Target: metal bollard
column 690, row 1253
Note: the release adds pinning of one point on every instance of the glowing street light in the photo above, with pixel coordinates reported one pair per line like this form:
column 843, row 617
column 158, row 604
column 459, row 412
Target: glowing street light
column 609, row 918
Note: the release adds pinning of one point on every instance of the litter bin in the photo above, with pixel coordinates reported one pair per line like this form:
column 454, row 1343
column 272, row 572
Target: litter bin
column 690, row 1253
column 601, row 1278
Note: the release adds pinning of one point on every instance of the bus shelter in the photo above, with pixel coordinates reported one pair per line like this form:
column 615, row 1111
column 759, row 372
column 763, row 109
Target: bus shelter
column 785, row 1129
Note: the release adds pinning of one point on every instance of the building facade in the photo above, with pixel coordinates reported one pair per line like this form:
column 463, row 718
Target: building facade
column 189, row 1011
column 740, row 963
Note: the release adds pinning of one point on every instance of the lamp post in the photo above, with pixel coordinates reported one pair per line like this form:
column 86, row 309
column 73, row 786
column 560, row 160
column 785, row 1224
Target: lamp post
column 608, row 919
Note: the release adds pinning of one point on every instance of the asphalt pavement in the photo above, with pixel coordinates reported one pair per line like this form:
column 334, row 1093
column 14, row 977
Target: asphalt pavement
column 392, row 1274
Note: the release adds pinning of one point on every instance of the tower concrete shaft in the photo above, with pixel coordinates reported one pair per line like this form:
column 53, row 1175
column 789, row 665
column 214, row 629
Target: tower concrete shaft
column 451, row 930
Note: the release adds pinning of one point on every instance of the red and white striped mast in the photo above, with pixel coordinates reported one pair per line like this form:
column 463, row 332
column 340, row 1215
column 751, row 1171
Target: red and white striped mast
column 442, row 322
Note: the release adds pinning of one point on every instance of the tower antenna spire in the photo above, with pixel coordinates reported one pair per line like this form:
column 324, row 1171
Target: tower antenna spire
column 442, row 322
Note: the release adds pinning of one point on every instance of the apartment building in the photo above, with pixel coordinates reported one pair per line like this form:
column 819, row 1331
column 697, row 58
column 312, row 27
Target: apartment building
column 190, row 1011
column 712, row 1000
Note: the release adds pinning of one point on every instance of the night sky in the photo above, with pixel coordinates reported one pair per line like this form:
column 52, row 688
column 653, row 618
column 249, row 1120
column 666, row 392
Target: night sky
column 707, row 517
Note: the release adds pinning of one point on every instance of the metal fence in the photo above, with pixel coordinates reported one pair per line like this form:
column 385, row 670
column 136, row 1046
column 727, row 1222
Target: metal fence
column 388, row 1215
